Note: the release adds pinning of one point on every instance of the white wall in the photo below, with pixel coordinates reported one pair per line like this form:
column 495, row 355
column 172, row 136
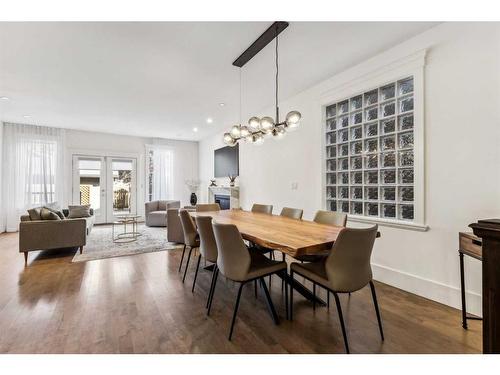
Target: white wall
column 462, row 177
column 185, row 158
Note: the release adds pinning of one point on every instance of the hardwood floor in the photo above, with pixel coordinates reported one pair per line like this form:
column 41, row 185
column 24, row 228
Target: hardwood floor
column 138, row 304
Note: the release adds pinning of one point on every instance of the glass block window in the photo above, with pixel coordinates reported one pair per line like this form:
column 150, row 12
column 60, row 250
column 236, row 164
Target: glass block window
column 370, row 153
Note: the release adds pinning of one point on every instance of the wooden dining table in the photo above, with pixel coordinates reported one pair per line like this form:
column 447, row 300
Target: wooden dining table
column 292, row 237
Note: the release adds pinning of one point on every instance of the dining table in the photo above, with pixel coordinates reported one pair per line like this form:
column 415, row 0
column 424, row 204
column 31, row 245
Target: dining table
column 296, row 238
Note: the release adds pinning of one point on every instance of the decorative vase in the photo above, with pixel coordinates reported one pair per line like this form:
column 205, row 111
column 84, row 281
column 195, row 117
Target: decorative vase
column 194, row 199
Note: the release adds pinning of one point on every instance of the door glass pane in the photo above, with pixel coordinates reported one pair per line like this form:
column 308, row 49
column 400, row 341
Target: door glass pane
column 122, row 178
column 89, row 171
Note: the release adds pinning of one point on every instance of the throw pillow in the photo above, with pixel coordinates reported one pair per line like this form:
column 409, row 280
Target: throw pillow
column 56, row 211
column 34, row 213
column 79, row 211
column 47, row 214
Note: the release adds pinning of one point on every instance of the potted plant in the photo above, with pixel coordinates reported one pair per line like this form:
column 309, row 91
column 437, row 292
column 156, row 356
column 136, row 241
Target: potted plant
column 231, row 180
column 193, row 188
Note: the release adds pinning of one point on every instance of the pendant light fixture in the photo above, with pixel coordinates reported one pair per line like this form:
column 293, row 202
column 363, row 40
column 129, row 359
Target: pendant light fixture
column 258, row 128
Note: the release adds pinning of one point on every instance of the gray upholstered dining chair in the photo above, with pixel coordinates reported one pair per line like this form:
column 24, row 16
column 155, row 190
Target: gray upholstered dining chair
column 208, row 246
column 346, row 269
column 331, row 218
column 262, row 208
column 292, row 213
column 191, row 238
column 207, row 207
column 239, row 264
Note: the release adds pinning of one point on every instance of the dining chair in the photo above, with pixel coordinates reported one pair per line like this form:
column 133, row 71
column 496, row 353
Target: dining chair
column 346, row 269
column 292, row 213
column 240, row 265
column 331, row 218
column 207, row 207
column 208, row 246
column 262, row 208
column 191, row 238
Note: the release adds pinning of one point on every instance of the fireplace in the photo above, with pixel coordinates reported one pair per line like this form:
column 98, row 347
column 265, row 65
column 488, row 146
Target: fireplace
column 223, row 201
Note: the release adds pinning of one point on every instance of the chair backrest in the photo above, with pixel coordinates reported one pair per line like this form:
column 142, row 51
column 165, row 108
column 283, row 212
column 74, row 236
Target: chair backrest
column 233, row 258
column 348, row 264
column 208, row 246
column 263, row 208
column 207, row 207
column 188, row 228
column 293, row 213
column 331, row 218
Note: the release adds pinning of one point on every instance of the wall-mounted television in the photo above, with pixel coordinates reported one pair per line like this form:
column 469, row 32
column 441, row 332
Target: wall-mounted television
column 227, row 161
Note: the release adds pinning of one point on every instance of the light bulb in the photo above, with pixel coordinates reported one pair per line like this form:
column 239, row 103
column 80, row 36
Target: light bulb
column 279, row 133
column 267, row 124
column 293, row 119
column 232, row 142
column 227, row 138
column 244, row 132
column 254, row 123
column 235, row 131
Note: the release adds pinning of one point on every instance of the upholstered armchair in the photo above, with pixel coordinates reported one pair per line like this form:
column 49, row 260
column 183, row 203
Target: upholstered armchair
column 156, row 212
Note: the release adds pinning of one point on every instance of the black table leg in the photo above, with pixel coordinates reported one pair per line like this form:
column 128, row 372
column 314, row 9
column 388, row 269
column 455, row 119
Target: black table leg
column 306, row 293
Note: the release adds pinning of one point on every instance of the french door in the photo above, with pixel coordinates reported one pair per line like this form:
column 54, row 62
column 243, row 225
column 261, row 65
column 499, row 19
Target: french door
column 108, row 184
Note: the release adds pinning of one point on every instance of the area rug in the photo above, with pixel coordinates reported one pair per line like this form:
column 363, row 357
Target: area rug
column 100, row 244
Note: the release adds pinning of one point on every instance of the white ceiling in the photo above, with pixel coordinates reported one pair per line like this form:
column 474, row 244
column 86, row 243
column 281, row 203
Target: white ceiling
column 164, row 79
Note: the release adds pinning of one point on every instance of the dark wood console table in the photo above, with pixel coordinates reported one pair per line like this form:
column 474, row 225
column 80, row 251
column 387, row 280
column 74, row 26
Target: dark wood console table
column 489, row 232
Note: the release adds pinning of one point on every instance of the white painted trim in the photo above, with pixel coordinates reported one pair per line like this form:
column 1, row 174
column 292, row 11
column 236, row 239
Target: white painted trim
column 388, row 223
column 411, row 65
column 431, row 289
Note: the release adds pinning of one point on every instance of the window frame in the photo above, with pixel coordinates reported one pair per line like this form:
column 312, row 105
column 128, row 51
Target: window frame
column 412, row 65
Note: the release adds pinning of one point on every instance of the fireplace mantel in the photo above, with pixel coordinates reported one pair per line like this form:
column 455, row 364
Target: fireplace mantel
column 232, row 191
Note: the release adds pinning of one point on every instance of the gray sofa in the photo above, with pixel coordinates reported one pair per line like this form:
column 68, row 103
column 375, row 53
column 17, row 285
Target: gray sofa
column 53, row 234
column 156, row 212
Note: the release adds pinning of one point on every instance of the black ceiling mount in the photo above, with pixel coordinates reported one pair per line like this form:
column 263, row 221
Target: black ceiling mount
column 267, row 36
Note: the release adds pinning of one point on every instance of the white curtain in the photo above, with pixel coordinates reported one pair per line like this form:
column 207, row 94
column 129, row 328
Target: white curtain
column 163, row 173
column 33, row 170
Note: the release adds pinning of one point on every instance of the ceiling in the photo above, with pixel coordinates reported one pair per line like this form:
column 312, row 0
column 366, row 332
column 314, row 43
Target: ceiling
column 162, row 79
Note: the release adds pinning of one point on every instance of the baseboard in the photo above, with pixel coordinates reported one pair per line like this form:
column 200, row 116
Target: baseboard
column 436, row 291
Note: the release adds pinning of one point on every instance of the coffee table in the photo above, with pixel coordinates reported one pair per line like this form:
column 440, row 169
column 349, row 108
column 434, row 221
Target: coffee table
column 126, row 235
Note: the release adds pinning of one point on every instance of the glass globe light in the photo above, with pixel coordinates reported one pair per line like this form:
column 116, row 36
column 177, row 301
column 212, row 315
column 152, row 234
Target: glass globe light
column 232, row 143
column 258, row 139
column 235, row 131
column 227, row 138
column 267, row 124
column 254, row 123
column 244, row 132
column 293, row 119
column 279, row 133
column 249, row 138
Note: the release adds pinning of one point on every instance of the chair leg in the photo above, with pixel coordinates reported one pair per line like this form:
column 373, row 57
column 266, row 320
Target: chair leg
column 25, row 258
column 235, row 311
column 374, row 296
column 462, row 291
column 314, row 294
column 81, row 249
column 270, row 305
column 196, row 272
column 187, row 264
column 341, row 318
column 213, row 291
column 286, row 295
column 182, row 258
column 291, row 295
column 327, row 298
column 283, row 279
column 214, row 271
column 255, row 287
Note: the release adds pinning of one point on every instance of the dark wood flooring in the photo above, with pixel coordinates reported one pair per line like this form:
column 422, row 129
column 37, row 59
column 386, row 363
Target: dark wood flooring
column 138, row 304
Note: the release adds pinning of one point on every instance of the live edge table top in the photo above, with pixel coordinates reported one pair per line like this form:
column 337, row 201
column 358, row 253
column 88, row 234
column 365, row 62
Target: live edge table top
column 290, row 236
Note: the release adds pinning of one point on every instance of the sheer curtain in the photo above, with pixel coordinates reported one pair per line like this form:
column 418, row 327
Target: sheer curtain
column 162, row 173
column 33, row 170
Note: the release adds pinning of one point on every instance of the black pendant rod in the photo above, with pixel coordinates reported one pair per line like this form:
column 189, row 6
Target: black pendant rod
column 267, row 37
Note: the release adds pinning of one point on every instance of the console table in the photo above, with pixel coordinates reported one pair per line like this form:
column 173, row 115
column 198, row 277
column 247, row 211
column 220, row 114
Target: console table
column 489, row 232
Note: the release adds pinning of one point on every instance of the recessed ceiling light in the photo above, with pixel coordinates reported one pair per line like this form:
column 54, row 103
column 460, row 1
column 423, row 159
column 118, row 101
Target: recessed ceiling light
column 222, row 104
column 209, row 120
column 4, row 98
column 195, row 129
